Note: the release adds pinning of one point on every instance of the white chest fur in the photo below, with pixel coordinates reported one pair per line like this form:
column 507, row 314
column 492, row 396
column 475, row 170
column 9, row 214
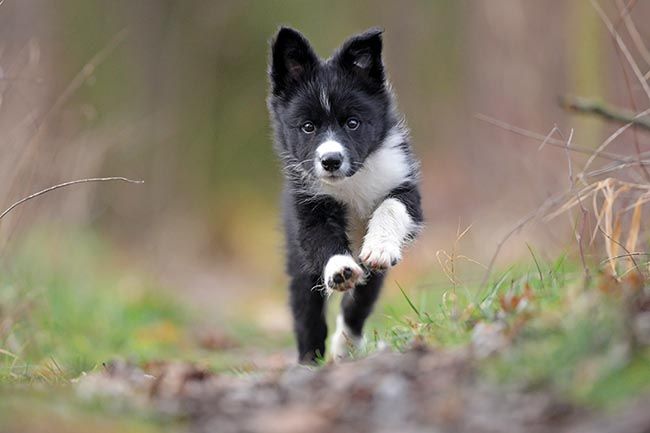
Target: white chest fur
column 382, row 171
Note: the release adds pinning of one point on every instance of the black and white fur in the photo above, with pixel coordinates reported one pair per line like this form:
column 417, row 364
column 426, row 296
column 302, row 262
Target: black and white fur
column 351, row 199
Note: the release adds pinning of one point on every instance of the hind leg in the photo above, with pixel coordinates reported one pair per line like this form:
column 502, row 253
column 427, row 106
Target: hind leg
column 356, row 306
column 307, row 306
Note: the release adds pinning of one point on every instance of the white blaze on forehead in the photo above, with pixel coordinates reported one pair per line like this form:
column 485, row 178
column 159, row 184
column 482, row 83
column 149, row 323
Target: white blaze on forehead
column 329, row 146
column 325, row 100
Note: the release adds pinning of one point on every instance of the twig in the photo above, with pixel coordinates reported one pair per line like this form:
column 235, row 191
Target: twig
column 631, row 100
column 590, row 106
column 615, row 114
column 63, row 185
column 577, row 234
column 82, row 76
column 623, row 256
column 632, row 30
column 546, row 139
column 548, row 136
column 610, row 140
column 627, row 252
column 567, row 149
column 611, row 168
column 624, row 161
column 623, row 47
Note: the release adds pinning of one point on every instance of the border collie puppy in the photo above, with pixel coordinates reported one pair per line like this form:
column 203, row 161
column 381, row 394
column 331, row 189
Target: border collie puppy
column 351, row 199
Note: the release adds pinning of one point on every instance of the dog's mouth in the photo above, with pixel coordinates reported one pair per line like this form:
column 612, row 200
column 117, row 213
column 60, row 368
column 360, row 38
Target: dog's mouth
column 332, row 178
column 335, row 177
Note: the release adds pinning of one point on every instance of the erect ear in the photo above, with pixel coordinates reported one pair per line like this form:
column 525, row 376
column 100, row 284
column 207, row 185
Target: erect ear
column 292, row 59
column 361, row 55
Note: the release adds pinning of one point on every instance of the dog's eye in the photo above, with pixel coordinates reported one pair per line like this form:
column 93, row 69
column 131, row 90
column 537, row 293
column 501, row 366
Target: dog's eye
column 308, row 127
column 352, row 123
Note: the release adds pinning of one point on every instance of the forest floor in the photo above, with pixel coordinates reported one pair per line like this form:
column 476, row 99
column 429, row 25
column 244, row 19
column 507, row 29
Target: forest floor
column 417, row 390
column 88, row 348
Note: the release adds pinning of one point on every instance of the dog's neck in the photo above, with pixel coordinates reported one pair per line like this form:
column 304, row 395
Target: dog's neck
column 384, row 170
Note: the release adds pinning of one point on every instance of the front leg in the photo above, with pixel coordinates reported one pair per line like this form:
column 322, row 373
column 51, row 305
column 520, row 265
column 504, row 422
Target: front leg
column 309, row 325
column 395, row 221
column 324, row 243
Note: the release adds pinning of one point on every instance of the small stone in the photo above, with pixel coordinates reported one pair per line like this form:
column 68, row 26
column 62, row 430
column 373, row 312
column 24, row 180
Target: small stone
column 488, row 338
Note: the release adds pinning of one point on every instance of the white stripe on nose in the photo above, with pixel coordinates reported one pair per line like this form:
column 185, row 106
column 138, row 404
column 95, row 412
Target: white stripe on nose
column 329, row 146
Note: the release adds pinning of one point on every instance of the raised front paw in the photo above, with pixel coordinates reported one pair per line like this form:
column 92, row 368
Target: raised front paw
column 380, row 255
column 342, row 273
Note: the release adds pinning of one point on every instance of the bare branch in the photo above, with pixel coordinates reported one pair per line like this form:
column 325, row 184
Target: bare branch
column 628, row 254
column 632, row 31
column 622, row 47
column 623, row 256
column 63, row 185
column 612, row 168
column 546, row 139
column 585, row 214
column 629, row 119
column 615, row 114
column 79, row 80
column 630, row 95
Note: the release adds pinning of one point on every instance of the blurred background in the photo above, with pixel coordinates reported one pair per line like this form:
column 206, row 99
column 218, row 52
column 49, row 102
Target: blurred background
column 173, row 93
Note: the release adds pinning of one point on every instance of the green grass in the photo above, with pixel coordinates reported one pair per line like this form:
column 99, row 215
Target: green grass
column 69, row 303
column 569, row 338
column 444, row 315
column 67, row 306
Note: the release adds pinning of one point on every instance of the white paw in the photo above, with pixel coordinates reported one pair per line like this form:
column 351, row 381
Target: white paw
column 388, row 230
column 380, row 254
column 342, row 273
column 344, row 343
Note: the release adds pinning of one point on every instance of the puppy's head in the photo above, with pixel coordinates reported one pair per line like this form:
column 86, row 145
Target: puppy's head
column 329, row 115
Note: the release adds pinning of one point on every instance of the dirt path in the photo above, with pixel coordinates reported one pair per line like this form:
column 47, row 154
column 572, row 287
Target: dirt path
column 422, row 390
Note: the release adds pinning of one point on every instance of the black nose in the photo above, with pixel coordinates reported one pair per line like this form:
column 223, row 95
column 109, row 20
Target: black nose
column 332, row 161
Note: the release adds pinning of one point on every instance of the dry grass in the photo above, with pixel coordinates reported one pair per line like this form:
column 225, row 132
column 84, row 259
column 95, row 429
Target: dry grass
column 612, row 197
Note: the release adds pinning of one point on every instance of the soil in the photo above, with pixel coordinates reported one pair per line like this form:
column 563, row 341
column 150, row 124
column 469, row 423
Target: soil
column 420, row 390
